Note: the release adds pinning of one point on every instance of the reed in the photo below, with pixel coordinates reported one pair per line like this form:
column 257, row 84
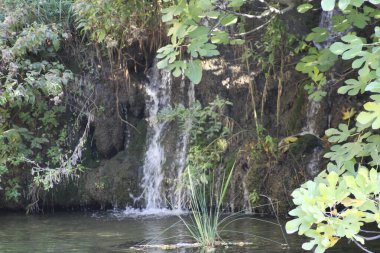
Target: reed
column 206, row 206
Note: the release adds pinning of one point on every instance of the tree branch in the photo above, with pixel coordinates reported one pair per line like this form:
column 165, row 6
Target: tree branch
column 249, row 15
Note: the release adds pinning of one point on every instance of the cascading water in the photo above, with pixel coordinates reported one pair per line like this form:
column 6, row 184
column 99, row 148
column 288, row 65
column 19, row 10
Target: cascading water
column 312, row 110
column 327, row 23
column 313, row 107
column 127, row 133
column 158, row 167
column 158, row 97
column 180, row 195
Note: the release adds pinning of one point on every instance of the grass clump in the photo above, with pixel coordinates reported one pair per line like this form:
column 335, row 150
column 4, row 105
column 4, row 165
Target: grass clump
column 206, row 201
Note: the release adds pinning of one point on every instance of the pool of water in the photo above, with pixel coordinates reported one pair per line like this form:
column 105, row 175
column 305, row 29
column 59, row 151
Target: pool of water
column 114, row 232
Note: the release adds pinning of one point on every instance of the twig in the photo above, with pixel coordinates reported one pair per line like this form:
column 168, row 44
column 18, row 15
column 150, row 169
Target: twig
column 369, row 231
column 278, row 220
column 361, row 246
column 372, row 238
column 257, row 28
column 248, row 15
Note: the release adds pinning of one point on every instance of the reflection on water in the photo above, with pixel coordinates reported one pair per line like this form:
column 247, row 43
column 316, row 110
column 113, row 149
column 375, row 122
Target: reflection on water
column 113, row 232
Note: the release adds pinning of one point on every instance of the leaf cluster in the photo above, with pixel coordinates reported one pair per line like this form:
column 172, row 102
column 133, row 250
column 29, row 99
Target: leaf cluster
column 196, row 28
column 320, row 59
column 32, row 85
column 345, row 197
column 207, row 136
column 115, row 24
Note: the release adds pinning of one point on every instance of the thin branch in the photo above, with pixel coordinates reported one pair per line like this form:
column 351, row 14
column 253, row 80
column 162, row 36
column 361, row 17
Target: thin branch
column 372, row 238
column 369, row 231
column 271, row 8
column 249, row 15
column 361, row 246
column 257, row 28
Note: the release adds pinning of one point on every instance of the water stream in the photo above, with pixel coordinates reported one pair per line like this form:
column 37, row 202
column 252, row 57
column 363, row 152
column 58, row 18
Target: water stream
column 158, row 196
column 158, row 91
column 327, row 23
column 179, row 196
column 314, row 107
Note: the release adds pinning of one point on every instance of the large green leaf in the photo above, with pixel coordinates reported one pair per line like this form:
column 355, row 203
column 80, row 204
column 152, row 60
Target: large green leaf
column 341, row 134
column 318, row 34
column 353, row 87
column 328, row 5
column 372, row 114
column 194, row 71
column 304, row 7
column 229, row 20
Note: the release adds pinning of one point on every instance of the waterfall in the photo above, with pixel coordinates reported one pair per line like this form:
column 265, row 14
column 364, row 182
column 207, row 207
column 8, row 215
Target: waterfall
column 313, row 107
column 127, row 133
column 180, row 196
column 158, row 91
column 166, row 149
column 326, row 21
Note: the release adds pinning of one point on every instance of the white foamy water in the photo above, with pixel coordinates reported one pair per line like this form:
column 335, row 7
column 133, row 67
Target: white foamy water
column 150, row 212
column 156, row 195
column 314, row 107
column 158, row 91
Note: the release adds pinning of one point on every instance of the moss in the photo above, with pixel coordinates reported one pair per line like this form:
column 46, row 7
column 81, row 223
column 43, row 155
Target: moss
column 65, row 194
column 305, row 144
column 254, row 178
column 89, row 161
column 137, row 140
column 296, row 112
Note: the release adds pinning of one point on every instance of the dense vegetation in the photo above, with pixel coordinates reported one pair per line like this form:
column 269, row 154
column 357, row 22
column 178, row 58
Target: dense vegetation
column 33, row 81
column 38, row 87
column 343, row 198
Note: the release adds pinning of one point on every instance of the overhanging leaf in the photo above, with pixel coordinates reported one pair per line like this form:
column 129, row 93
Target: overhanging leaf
column 194, row 71
column 371, row 115
column 304, row 7
column 328, row 5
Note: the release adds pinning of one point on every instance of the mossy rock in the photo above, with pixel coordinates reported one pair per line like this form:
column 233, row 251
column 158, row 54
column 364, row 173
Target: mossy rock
column 305, row 144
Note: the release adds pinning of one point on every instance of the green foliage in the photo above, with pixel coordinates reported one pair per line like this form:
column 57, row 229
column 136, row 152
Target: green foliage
column 266, row 144
column 206, row 204
column 254, row 197
column 117, row 23
column 207, row 122
column 341, row 134
column 207, row 136
column 12, row 190
column 196, row 28
column 267, row 51
column 47, row 11
column 341, row 200
column 304, row 8
column 317, row 62
column 314, row 64
column 32, row 85
column 208, row 132
column 318, row 34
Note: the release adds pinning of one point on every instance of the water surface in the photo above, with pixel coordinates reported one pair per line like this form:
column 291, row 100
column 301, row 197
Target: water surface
column 111, row 232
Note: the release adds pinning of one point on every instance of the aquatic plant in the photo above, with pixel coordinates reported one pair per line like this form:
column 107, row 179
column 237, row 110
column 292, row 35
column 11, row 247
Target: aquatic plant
column 209, row 220
column 206, row 205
